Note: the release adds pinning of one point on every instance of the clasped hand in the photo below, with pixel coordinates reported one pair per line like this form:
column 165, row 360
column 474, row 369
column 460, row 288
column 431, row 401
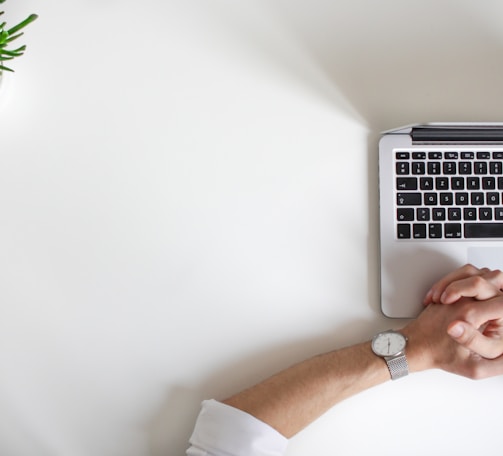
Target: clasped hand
column 468, row 305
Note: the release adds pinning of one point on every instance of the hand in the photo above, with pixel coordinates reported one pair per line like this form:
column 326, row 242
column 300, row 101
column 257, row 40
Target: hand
column 431, row 347
column 467, row 281
column 479, row 326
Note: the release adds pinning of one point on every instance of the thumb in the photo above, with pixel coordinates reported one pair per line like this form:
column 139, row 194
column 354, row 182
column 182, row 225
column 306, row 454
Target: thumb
column 459, row 331
column 472, row 339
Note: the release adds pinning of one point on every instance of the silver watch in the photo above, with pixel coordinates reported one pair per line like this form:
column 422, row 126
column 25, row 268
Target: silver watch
column 390, row 345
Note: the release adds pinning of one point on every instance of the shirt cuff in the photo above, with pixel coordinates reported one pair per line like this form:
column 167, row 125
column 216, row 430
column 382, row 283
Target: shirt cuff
column 224, row 430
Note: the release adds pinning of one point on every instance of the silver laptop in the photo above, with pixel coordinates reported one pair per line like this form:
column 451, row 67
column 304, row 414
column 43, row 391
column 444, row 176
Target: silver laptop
column 441, row 206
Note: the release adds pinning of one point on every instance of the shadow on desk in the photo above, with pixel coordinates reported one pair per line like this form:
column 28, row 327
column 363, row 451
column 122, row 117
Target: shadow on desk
column 398, row 63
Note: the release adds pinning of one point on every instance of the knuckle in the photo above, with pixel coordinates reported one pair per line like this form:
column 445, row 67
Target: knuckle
column 478, row 281
column 468, row 312
column 470, row 268
column 494, row 274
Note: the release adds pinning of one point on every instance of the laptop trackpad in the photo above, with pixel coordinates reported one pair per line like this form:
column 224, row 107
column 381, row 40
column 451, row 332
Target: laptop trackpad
column 488, row 257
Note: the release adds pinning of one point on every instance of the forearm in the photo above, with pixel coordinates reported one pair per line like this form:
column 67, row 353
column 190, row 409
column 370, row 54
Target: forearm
column 295, row 397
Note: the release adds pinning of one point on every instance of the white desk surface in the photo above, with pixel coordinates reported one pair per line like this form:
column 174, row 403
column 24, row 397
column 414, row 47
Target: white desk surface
column 188, row 204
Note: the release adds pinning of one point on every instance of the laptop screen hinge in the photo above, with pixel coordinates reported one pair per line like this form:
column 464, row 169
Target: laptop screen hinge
column 457, row 135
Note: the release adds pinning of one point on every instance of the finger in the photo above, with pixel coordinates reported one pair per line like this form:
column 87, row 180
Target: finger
column 468, row 270
column 471, row 338
column 481, row 313
column 480, row 287
column 495, row 277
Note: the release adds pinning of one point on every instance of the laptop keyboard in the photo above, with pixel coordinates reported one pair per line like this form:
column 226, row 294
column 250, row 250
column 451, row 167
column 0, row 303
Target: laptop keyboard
column 449, row 194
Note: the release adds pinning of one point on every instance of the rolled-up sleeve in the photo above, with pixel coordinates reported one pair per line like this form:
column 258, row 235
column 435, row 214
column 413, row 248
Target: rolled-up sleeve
column 222, row 430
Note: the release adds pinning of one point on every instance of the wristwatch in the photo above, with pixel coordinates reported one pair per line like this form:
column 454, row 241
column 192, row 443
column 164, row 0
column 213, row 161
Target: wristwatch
column 390, row 345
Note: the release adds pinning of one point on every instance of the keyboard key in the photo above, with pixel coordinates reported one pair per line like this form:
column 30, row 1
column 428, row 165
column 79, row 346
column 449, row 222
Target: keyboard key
column 434, row 167
column 488, row 183
column 498, row 213
column 408, row 199
column 435, row 155
column 467, row 155
column 446, row 199
column 406, row 183
column 496, row 167
column 485, row 213
column 493, row 198
column 454, row 213
column 451, row 155
column 402, row 168
column 483, row 230
column 426, row 183
column 419, row 230
column 435, row 230
column 442, row 183
column 470, row 213
column 452, row 230
column 439, row 213
column 418, row 167
column 480, row 168
column 402, row 155
column 405, row 214
column 483, row 155
column 423, row 214
column 500, row 183
column 465, row 167
column 449, row 167
column 497, row 155
column 419, row 155
column 403, row 231
column 477, row 198
column 430, row 199
column 457, row 183
column 472, row 183
column 461, row 198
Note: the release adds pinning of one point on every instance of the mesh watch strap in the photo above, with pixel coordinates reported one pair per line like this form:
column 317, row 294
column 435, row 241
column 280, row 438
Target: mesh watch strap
column 398, row 367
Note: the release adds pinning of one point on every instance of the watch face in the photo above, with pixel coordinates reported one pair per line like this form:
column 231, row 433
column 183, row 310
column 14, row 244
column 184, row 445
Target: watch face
column 388, row 343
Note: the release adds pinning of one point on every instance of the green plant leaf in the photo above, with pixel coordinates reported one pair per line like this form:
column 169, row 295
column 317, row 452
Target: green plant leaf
column 11, row 53
column 22, row 24
column 7, row 36
column 12, row 38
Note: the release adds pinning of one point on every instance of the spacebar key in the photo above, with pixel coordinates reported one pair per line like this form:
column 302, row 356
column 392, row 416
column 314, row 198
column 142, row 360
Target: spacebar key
column 483, row 230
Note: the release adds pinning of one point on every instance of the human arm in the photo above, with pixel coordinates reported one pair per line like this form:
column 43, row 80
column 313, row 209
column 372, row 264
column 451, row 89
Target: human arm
column 258, row 421
column 293, row 398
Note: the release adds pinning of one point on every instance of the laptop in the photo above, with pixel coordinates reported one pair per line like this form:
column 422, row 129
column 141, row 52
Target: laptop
column 441, row 206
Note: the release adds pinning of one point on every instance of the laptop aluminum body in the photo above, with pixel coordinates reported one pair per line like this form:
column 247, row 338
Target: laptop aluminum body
column 425, row 231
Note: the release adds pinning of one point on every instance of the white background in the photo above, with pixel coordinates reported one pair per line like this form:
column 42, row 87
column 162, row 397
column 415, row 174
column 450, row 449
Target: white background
column 188, row 204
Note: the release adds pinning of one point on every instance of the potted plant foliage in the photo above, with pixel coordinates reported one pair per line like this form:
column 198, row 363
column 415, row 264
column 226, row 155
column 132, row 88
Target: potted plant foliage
column 7, row 36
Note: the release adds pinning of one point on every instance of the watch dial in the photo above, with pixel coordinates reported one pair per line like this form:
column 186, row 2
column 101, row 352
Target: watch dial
column 388, row 344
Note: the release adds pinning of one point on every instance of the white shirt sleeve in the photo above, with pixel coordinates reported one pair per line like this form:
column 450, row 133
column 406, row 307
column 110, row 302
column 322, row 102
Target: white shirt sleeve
column 222, row 430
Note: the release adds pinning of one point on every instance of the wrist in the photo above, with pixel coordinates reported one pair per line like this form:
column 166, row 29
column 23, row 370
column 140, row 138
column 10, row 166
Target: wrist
column 419, row 354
